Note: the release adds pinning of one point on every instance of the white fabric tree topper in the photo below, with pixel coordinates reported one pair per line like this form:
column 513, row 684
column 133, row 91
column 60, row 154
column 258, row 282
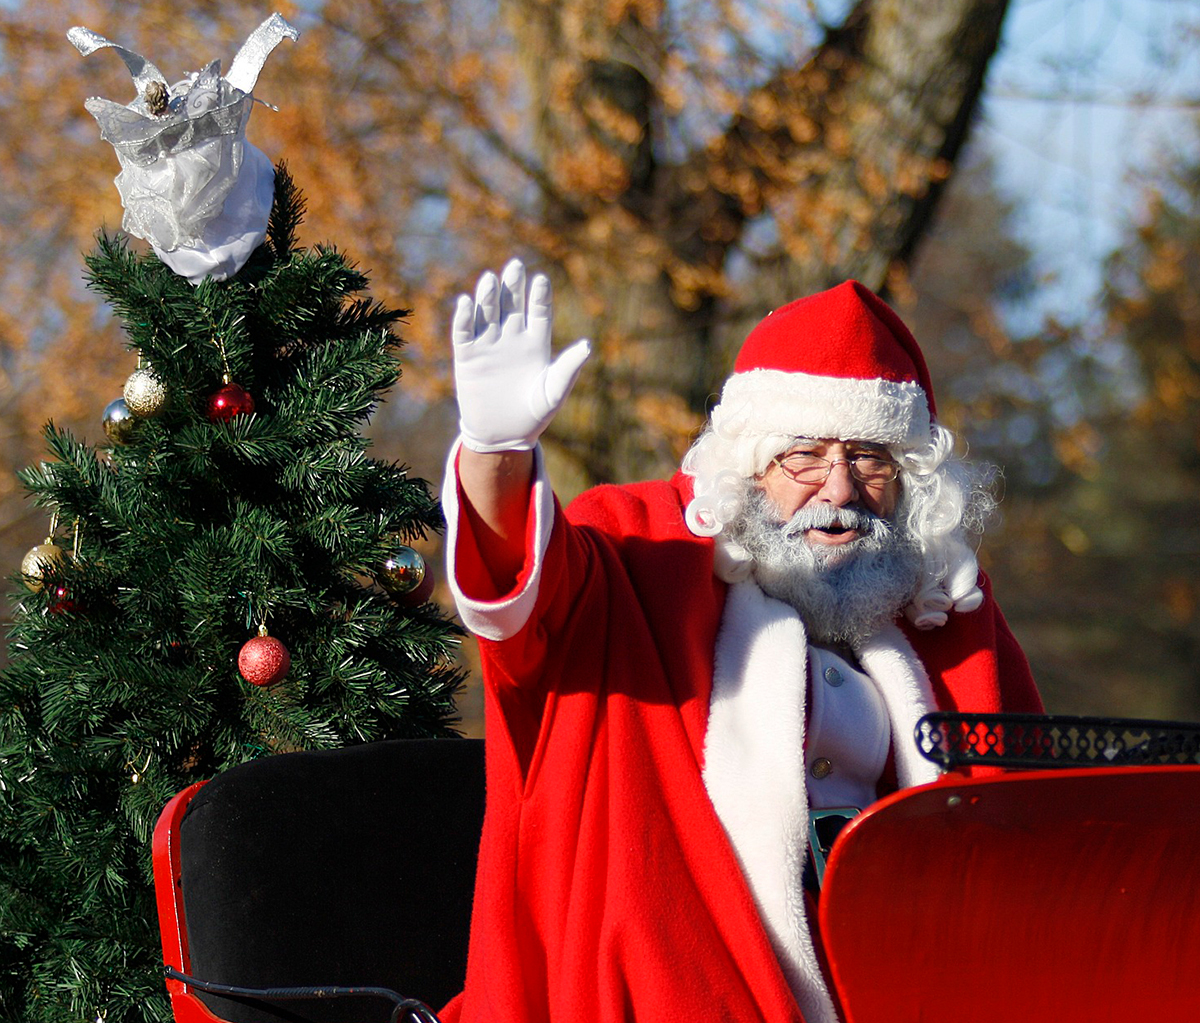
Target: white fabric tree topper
column 509, row 388
column 191, row 185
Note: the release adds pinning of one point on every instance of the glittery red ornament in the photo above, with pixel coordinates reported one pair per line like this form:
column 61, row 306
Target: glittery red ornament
column 61, row 601
column 263, row 660
column 231, row 400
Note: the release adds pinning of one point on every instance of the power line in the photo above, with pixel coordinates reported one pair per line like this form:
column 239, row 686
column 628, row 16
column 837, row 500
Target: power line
column 1136, row 100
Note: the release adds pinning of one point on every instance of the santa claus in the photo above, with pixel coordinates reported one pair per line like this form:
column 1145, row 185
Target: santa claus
column 680, row 674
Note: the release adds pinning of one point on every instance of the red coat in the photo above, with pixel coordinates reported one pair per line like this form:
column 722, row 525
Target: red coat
column 607, row 889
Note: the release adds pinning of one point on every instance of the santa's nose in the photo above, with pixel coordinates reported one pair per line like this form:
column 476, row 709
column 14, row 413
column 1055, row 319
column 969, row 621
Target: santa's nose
column 840, row 488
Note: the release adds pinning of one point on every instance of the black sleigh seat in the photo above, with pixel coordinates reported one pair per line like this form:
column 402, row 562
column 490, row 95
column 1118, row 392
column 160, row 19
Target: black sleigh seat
column 349, row 868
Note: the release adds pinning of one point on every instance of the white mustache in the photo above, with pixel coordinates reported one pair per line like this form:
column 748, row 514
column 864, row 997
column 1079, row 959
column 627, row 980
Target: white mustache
column 824, row 516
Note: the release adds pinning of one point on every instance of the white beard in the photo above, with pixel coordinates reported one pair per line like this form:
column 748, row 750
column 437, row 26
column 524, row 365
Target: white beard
column 843, row 593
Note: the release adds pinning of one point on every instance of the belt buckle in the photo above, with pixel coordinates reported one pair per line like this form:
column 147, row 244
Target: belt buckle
column 824, row 826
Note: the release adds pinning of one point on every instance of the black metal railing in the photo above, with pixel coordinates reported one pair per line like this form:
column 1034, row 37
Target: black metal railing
column 953, row 740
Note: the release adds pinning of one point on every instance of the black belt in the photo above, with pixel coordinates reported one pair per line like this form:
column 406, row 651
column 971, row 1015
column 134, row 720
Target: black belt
column 824, row 826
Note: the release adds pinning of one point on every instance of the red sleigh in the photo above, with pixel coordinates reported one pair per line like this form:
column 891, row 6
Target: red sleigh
column 1064, row 886
column 1067, row 890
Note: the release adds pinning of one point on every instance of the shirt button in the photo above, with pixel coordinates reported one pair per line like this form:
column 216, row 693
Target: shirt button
column 822, row 768
column 833, row 677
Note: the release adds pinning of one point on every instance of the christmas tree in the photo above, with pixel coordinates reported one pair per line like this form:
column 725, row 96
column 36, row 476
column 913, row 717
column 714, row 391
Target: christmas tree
column 228, row 575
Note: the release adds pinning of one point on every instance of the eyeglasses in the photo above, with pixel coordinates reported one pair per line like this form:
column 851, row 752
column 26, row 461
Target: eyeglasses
column 805, row 467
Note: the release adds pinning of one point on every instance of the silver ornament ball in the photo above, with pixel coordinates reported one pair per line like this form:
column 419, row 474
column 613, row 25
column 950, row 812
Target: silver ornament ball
column 119, row 422
column 145, row 394
column 403, row 572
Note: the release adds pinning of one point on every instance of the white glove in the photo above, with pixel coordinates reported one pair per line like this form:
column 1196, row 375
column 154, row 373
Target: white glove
column 508, row 387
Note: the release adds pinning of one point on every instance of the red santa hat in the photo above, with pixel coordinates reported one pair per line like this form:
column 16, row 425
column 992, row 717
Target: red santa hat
column 837, row 364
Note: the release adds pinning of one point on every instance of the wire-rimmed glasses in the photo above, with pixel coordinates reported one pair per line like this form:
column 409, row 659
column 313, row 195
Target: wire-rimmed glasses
column 866, row 467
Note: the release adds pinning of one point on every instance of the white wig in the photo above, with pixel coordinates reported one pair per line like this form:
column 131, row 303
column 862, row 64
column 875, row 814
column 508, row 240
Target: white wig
column 944, row 503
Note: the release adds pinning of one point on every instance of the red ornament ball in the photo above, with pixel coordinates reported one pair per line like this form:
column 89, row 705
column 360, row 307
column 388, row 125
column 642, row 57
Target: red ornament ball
column 231, row 400
column 61, row 601
column 263, row 660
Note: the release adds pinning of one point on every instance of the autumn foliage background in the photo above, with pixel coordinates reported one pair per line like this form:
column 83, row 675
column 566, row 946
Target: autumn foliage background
column 678, row 169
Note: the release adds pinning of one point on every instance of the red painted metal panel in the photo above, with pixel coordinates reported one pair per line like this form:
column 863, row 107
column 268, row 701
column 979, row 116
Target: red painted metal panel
column 1067, row 895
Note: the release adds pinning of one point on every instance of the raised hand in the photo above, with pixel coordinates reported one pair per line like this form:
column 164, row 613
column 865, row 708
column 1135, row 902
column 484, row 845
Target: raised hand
column 508, row 386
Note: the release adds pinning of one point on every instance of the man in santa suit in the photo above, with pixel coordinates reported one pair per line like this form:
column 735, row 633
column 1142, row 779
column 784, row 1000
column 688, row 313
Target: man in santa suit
column 677, row 673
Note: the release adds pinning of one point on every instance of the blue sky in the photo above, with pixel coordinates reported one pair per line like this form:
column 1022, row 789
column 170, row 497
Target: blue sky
column 1085, row 99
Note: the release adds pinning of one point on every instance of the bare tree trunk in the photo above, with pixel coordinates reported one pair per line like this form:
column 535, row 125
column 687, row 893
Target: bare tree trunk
column 845, row 155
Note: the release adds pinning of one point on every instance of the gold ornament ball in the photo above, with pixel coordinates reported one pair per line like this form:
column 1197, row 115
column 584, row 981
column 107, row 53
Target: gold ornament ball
column 38, row 561
column 145, row 394
column 403, row 572
column 119, row 422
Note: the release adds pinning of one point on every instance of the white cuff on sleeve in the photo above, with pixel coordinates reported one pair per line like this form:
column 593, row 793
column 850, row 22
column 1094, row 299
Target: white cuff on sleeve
column 499, row 619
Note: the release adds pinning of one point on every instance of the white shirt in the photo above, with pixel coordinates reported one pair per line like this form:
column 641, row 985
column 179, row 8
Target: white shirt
column 848, row 734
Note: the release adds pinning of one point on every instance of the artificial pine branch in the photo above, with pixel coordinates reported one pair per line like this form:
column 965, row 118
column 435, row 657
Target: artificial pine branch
column 287, row 213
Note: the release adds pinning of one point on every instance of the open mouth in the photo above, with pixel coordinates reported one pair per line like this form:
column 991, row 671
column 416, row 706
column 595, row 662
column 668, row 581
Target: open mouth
column 834, row 533
column 828, row 526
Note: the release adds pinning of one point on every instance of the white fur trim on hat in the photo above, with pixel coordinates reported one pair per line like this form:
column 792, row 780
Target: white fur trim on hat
column 801, row 405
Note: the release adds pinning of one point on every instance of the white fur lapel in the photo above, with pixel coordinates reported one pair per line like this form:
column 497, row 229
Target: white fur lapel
column 754, row 773
column 754, row 761
column 890, row 660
